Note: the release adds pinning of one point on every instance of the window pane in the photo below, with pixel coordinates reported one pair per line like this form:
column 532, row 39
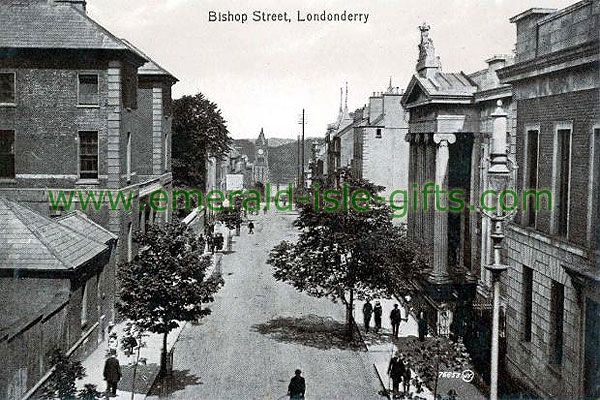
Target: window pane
column 7, row 154
column 532, row 161
column 564, row 141
column 7, row 88
column 527, row 302
column 88, row 155
column 88, row 89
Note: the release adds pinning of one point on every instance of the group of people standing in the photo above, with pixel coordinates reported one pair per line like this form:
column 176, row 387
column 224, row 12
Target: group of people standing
column 377, row 311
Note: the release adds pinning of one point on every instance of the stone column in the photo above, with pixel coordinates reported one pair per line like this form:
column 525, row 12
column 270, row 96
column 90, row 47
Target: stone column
column 410, row 216
column 430, row 150
column 439, row 274
column 419, row 172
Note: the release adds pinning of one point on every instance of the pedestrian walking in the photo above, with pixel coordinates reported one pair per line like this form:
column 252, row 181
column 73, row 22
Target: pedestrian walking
column 297, row 386
column 395, row 318
column 367, row 312
column 378, row 312
column 406, row 376
column 251, row 228
column 422, row 324
column 396, row 372
column 112, row 374
column 220, row 241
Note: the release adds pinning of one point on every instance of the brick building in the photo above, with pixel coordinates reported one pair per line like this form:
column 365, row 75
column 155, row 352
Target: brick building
column 553, row 299
column 56, row 290
column 450, row 129
column 80, row 110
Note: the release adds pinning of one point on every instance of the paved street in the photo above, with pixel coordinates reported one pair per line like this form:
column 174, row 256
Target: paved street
column 261, row 330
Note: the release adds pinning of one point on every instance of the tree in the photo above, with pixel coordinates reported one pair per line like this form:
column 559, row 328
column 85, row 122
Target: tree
column 199, row 131
column 61, row 383
column 346, row 254
column 231, row 217
column 433, row 355
column 166, row 282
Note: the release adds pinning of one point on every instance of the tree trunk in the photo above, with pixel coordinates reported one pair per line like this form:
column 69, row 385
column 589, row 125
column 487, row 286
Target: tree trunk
column 163, row 356
column 350, row 319
column 137, row 360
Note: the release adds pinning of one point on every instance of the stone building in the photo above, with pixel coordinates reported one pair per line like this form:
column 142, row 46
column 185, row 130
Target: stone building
column 553, row 295
column 369, row 142
column 56, row 291
column 449, row 134
column 81, row 110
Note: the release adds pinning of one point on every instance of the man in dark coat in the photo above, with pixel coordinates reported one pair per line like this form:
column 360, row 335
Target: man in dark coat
column 377, row 311
column 395, row 318
column 112, row 374
column 251, row 228
column 367, row 311
column 396, row 372
column 297, row 386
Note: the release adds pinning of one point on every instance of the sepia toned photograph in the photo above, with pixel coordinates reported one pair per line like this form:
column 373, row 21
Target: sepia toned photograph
column 302, row 199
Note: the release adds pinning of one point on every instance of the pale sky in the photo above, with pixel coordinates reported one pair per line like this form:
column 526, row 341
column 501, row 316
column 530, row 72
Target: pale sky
column 263, row 74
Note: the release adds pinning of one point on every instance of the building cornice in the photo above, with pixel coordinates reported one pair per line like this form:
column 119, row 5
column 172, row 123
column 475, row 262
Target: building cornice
column 582, row 54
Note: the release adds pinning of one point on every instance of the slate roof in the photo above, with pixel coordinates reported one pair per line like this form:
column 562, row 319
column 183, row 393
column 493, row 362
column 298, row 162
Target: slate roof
column 442, row 86
column 151, row 67
column 30, row 241
column 40, row 25
column 448, row 84
column 79, row 222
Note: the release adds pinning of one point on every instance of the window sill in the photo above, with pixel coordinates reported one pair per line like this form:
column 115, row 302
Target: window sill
column 8, row 104
column 87, row 182
column 88, row 105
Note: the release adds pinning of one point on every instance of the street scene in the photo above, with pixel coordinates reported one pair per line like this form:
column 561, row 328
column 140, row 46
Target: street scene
column 367, row 200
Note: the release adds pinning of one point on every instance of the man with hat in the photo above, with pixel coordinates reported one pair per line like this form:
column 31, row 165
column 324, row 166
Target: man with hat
column 396, row 372
column 297, row 386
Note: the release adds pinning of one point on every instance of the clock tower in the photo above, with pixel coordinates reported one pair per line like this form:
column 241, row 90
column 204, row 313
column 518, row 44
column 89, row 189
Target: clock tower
column 260, row 171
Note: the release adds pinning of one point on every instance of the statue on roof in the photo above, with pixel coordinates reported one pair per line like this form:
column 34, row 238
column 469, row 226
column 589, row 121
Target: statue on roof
column 427, row 58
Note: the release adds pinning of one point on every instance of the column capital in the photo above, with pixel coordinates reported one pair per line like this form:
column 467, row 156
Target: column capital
column 428, row 138
column 409, row 137
column 444, row 139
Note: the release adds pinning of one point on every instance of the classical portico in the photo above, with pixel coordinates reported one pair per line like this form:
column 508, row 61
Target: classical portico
column 441, row 136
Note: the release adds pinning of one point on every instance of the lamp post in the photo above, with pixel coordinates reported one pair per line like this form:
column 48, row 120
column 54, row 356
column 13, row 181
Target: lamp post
column 499, row 177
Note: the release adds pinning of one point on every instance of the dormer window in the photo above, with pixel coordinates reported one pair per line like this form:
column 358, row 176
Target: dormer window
column 88, row 94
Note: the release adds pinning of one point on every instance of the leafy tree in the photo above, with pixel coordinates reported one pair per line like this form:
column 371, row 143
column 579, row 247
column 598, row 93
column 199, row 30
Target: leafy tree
column 61, row 383
column 346, row 254
column 166, row 282
column 433, row 355
column 89, row 392
column 231, row 217
column 199, row 131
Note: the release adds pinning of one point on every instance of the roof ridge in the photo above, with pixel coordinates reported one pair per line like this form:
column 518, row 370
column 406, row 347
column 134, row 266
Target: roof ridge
column 84, row 215
column 11, row 205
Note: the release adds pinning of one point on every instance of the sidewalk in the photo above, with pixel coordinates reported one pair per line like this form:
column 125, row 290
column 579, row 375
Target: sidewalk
column 149, row 365
column 381, row 348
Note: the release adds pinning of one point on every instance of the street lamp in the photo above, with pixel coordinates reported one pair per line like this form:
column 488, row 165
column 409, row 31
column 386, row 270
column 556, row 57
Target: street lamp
column 499, row 178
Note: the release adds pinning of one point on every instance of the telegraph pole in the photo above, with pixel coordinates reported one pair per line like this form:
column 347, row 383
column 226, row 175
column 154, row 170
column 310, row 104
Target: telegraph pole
column 302, row 154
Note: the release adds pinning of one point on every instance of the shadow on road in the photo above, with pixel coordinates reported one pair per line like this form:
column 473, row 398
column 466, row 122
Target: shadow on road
column 323, row 333
column 144, row 377
column 178, row 380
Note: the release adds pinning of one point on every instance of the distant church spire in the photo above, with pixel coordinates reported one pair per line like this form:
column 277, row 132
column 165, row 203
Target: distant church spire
column 346, row 102
column 390, row 88
column 341, row 99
